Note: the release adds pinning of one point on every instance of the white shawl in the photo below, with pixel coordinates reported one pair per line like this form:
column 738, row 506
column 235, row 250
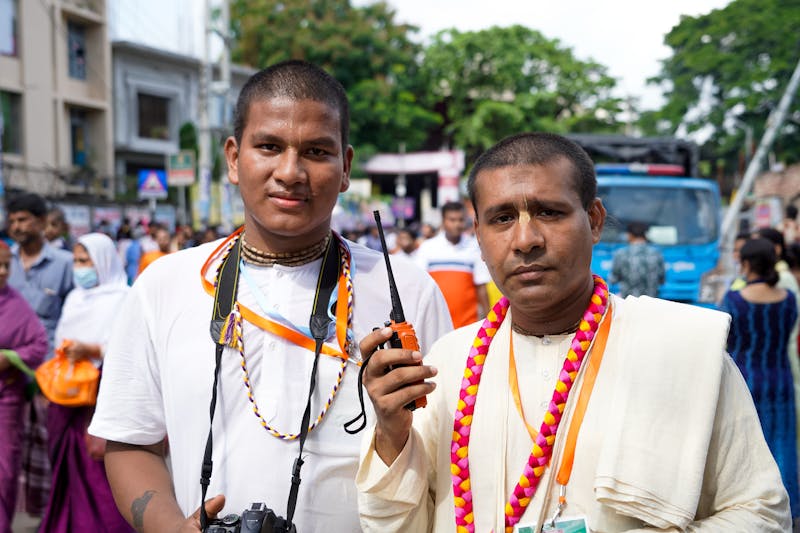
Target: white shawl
column 636, row 470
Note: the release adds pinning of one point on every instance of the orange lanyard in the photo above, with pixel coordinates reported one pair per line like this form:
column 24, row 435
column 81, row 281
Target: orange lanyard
column 596, row 357
column 276, row 328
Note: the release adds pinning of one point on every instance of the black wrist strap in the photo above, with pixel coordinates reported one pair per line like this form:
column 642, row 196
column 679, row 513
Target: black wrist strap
column 224, row 300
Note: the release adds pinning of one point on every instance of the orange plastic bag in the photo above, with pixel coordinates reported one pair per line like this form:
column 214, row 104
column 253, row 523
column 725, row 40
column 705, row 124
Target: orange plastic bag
column 69, row 383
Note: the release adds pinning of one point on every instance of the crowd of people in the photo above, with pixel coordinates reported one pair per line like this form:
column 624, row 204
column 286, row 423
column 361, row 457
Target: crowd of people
column 598, row 411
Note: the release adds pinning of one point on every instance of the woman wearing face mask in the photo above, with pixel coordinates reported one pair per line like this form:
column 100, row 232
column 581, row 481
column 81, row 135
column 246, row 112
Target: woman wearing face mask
column 81, row 499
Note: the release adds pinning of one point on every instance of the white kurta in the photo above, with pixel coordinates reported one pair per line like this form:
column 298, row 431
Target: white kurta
column 158, row 375
column 662, row 466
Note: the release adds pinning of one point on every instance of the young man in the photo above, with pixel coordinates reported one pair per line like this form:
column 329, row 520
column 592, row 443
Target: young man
column 638, row 268
column 290, row 158
column 453, row 259
column 655, row 430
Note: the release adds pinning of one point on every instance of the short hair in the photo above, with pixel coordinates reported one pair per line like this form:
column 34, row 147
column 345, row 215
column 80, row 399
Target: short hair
column 637, row 229
column 452, row 206
column 58, row 214
column 791, row 211
column 30, row 202
column 296, row 80
column 538, row 148
column 411, row 232
column 760, row 256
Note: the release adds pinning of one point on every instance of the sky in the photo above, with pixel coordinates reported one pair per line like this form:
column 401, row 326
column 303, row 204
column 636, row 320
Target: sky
column 627, row 36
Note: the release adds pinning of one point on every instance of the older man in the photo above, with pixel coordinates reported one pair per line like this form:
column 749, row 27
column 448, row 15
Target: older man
column 567, row 409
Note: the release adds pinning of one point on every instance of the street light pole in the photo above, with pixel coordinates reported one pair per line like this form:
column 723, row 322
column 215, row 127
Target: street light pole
column 203, row 126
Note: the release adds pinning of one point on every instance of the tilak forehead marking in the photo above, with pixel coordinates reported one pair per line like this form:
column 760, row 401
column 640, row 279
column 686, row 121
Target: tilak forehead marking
column 524, row 216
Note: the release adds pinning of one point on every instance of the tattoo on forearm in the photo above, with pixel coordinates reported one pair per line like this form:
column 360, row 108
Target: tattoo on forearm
column 137, row 509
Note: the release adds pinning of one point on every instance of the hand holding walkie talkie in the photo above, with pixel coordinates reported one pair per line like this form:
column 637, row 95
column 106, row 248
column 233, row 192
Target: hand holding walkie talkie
column 387, row 380
column 403, row 335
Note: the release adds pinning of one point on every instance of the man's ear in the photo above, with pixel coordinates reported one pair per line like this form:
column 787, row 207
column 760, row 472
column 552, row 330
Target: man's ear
column 232, row 158
column 347, row 161
column 597, row 219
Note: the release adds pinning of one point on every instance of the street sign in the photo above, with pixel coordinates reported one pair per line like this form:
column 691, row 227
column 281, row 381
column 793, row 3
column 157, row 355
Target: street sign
column 180, row 168
column 152, row 184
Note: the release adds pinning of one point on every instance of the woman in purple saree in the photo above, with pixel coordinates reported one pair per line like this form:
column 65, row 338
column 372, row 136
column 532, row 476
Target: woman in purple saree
column 23, row 345
column 80, row 498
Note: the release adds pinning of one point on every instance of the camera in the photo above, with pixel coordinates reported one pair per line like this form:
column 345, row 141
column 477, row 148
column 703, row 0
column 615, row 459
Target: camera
column 258, row 519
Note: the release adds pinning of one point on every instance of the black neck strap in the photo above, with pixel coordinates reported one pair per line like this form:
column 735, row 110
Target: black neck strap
column 227, row 284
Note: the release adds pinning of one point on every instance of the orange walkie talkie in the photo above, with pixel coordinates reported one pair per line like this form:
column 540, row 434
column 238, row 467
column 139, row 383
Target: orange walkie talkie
column 403, row 335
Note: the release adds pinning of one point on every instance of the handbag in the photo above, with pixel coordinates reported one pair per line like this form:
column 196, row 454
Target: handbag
column 68, row 383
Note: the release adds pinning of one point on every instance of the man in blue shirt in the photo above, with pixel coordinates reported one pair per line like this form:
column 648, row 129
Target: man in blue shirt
column 41, row 272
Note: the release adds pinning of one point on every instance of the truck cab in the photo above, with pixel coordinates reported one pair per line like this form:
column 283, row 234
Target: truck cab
column 682, row 214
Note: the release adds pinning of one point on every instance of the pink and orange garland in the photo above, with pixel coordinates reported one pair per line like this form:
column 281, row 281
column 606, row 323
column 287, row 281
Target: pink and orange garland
column 543, row 445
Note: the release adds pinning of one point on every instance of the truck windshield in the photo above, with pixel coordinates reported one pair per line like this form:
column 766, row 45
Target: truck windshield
column 674, row 216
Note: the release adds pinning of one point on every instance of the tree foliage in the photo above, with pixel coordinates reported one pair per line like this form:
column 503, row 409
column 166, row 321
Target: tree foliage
column 363, row 47
column 732, row 64
column 491, row 83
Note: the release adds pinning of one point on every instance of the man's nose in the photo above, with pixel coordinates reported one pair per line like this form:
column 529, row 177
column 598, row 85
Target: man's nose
column 527, row 234
column 289, row 168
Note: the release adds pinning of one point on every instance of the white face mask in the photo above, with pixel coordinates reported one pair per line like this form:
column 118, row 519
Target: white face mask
column 84, row 277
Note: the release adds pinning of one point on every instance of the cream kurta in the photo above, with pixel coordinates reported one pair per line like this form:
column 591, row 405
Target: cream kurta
column 735, row 486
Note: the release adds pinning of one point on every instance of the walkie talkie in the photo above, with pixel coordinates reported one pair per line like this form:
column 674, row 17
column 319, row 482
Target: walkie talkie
column 403, row 335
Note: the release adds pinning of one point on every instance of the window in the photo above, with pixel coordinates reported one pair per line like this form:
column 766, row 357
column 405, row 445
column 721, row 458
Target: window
column 674, row 215
column 10, row 123
column 79, row 132
column 153, row 116
column 76, row 48
column 8, row 27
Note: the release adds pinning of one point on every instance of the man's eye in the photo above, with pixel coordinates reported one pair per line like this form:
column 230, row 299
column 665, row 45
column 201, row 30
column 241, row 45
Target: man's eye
column 318, row 152
column 269, row 146
column 502, row 219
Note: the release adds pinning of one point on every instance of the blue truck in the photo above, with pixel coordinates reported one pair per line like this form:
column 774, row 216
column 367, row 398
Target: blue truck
column 653, row 180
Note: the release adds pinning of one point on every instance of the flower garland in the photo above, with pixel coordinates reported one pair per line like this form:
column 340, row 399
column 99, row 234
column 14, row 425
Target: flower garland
column 543, row 445
column 235, row 338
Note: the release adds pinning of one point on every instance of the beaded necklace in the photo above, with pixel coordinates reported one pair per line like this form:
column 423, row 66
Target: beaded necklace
column 543, row 445
column 255, row 256
column 344, row 304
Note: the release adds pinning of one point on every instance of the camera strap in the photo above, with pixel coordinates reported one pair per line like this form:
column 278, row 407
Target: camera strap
column 224, row 300
column 319, row 325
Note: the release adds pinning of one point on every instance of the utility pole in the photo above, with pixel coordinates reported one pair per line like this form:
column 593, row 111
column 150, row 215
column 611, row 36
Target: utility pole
column 774, row 122
column 729, row 223
column 222, row 87
column 203, row 126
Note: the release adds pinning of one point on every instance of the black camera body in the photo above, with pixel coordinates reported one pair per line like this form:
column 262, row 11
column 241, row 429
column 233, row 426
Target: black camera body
column 258, row 519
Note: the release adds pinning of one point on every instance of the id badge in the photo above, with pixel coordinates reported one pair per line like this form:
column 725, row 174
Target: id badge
column 563, row 525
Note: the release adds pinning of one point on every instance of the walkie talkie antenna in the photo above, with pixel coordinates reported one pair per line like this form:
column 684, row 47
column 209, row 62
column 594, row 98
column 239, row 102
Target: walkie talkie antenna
column 397, row 308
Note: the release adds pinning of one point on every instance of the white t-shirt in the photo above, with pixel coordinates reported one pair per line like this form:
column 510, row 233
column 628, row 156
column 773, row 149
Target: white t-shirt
column 157, row 380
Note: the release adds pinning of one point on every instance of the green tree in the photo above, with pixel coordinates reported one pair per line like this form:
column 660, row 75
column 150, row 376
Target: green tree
column 363, row 47
column 731, row 65
column 491, row 83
